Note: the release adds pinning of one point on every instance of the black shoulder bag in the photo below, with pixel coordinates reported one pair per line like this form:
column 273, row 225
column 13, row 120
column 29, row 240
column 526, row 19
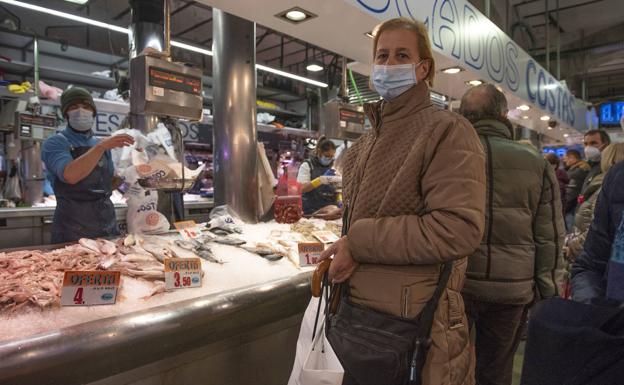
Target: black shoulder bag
column 377, row 348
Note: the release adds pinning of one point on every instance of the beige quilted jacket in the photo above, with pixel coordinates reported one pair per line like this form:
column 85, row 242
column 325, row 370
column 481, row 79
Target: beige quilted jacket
column 415, row 191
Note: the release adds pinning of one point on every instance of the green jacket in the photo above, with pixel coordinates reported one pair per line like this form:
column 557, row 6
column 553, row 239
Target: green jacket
column 583, row 218
column 520, row 253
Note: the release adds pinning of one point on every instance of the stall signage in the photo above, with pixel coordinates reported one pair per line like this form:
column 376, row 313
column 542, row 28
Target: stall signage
column 188, row 229
column 182, row 273
column 310, row 253
column 459, row 31
column 86, row 288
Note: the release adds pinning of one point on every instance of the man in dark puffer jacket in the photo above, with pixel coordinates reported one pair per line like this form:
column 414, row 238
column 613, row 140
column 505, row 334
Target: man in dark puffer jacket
column 519, row 256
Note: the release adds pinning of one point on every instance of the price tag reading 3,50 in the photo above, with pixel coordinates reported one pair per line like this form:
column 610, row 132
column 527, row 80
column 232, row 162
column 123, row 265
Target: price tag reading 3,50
column 85, row 288
column 182, row 273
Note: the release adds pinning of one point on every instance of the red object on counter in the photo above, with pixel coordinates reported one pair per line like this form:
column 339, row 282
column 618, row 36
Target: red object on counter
column 288, row 207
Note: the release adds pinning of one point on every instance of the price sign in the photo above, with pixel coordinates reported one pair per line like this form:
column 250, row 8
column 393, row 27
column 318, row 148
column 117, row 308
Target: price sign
column 85, row 288
column 182, row 273
column 310, row 253
column 325, row 237
column 188, row 229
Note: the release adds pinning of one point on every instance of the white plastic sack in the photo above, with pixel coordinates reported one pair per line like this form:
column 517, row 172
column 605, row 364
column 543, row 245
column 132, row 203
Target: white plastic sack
column 310, row 368
column 322, row 366
column 143, row 217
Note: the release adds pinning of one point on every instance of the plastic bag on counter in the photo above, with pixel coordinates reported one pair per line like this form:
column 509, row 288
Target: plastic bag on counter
column 12, row 186
column 222, row 218
column 288, row 206
column 266, row 182
column 143, row 217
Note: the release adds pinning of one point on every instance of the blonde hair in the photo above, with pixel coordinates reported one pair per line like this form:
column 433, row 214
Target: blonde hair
column 611, row 155
column 424, row 45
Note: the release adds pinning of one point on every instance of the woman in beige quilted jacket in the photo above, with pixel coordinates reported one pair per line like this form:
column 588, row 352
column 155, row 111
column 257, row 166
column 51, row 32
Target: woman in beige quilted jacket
column 414, row 188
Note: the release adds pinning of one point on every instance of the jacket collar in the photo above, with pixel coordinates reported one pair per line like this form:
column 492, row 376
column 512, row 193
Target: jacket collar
column 491, row 127
column 406, row 104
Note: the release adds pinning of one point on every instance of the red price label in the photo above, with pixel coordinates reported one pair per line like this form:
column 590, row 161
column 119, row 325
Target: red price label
column 90, row 288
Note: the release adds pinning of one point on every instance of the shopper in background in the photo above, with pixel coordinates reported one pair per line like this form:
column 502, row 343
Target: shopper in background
column 595, row 141
column 313, row 175
column 577, row 171
column 612, row 154
column 597, row 272
column 519, row 256
column 414, row 189
column 562, row 176
column 82, row 172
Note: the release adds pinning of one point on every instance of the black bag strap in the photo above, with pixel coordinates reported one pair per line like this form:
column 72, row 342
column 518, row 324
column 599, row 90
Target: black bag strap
column 422, row 341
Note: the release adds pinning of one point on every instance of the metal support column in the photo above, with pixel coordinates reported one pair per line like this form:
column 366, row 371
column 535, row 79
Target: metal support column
column 235, row 142
column 488, row 6
column 558, row 44
column 547, row 31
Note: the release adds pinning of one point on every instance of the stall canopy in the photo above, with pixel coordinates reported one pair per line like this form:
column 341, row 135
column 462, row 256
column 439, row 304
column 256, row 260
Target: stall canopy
column 461, row 36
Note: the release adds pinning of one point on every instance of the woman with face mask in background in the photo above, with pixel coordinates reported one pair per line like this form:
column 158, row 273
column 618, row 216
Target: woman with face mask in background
column 414, row 193
column 81, row 171
column 318, row 192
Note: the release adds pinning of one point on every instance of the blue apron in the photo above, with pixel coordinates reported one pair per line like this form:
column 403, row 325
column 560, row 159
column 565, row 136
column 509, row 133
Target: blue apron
column 322, row 196
column 84, row 209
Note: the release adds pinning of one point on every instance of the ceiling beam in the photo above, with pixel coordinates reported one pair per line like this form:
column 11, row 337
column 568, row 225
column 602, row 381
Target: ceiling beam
column 192, row 27
column 563, row 8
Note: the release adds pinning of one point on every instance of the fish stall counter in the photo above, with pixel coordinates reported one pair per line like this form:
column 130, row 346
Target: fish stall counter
column 32, row 226
column 239, row 327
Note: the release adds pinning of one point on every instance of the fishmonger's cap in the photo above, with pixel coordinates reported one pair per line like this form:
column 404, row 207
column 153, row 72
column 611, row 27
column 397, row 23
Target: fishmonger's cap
column 74, row 95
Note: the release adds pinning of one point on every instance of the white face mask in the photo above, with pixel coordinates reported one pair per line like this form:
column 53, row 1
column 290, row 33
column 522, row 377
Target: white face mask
column 392, row 81
column 80, row 119
column 592, row 154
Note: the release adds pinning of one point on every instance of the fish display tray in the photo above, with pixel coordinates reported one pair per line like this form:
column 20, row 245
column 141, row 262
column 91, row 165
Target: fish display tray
column 166, row 184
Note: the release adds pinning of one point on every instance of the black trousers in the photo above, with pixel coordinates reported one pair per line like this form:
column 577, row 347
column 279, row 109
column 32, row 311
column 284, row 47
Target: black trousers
column 498, row 330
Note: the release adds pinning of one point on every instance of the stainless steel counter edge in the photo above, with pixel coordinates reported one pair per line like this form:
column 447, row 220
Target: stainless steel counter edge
column 20, row 212
column 102, row 348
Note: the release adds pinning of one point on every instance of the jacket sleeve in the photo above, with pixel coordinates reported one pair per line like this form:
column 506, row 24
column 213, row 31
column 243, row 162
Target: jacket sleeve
column 451, row 226
column 574, row 189
column 588, row 271
column 548, row 237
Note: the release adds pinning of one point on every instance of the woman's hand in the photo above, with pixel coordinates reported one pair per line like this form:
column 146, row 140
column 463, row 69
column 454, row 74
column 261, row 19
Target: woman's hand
column 343, row 265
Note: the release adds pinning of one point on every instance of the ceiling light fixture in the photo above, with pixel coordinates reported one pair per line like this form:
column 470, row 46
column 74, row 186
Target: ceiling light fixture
column 475, row 82
column 525, row 117
column 291, row 76
column 369, row 34
column 315, row 66
column 296, row 15
column 565, row 135
column 174, row 43
column 452, row 70
column 523, row 107
column 78, row 1
column 545, row 118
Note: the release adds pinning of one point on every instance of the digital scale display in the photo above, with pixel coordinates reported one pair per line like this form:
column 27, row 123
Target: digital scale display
column 160, row 77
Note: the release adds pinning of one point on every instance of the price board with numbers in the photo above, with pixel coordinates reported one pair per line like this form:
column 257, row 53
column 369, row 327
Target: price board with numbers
column 85, row 288
column 310, row 253
column 182, row 273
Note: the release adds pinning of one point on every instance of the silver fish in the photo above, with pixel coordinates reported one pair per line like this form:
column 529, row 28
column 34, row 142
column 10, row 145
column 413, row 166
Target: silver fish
column 231, row 241
column 209, row 256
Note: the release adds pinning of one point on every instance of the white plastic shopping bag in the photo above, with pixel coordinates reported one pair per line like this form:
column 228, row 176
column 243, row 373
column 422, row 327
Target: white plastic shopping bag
column 321, row 367
column 307, row 355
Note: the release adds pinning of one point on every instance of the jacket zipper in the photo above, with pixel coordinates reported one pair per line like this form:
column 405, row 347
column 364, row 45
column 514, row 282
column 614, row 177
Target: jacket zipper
column 490, row 208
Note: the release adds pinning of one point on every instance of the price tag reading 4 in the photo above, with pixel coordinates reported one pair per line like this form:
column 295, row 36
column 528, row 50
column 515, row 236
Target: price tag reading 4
column 182, row 273
column 85, row 288
column 188, row 229
column 310, row 253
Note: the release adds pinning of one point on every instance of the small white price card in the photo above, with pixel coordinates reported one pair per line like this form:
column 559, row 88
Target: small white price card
column 325, row 236
column 310, row 253
column 188, row 229
column 85, row 288
column 182, row 273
